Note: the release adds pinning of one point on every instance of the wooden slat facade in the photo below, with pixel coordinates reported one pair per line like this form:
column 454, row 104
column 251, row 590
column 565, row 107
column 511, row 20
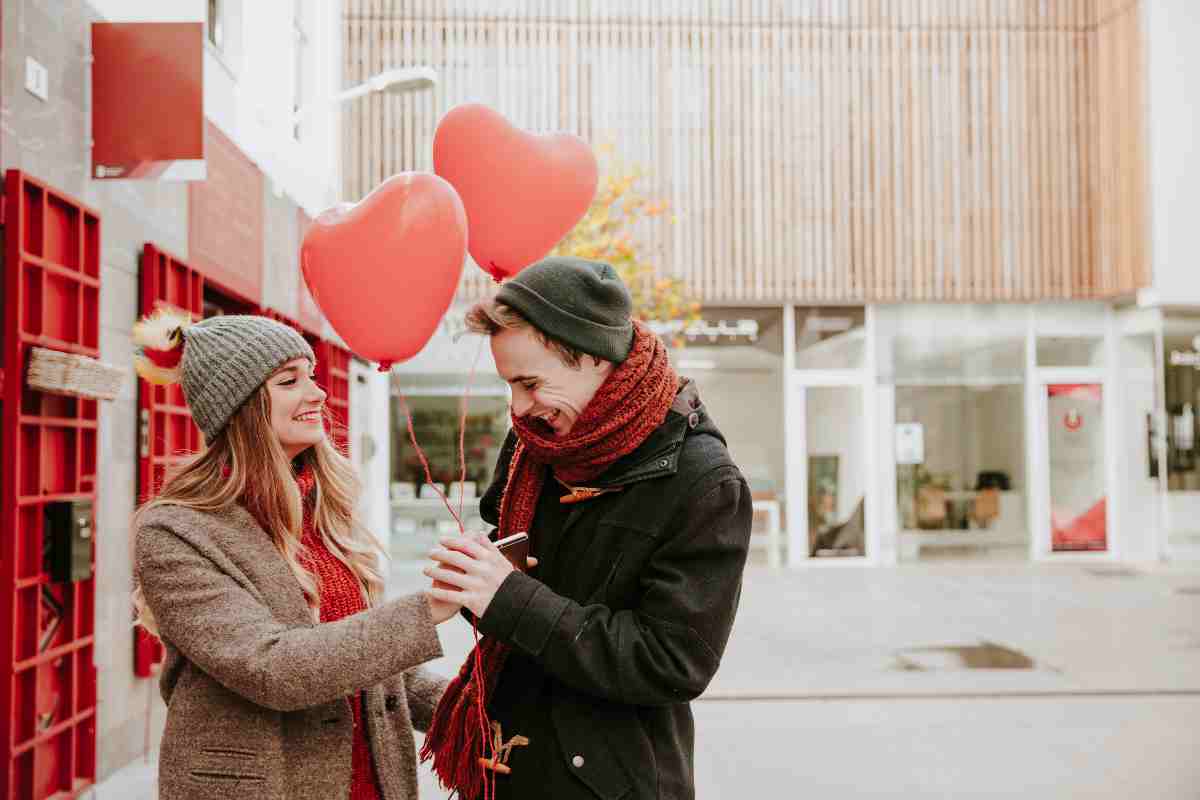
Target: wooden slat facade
column 814, row 151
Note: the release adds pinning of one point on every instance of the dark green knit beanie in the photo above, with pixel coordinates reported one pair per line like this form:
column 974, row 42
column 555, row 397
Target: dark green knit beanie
column 580, row 303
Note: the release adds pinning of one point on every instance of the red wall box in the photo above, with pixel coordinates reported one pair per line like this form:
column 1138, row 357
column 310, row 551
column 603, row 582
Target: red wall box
column 51, row 298
column 148, row 65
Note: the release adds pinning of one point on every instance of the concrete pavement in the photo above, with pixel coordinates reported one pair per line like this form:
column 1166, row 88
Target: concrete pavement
column 863, row 682
column 852, row 682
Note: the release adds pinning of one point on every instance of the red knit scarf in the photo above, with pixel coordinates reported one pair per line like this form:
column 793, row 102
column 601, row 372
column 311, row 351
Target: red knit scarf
column 625, row 410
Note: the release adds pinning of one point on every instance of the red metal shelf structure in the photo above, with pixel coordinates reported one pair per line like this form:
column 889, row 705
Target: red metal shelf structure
column 51, row 298
column 333, row 375
column 166, row 432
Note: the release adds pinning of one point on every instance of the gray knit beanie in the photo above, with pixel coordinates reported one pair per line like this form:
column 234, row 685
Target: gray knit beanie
column 219, row 362
column 578, row 302
column 226, row 358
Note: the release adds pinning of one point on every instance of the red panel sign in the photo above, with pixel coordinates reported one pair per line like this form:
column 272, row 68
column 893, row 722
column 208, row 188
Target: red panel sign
column 307, row 311
column 225, row 219
column 148, row 100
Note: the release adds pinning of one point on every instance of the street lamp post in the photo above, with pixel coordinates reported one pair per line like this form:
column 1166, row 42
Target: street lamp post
column 392, row 81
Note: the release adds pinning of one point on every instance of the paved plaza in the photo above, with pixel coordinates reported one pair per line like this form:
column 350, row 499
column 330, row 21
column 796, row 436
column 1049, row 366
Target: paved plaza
column 941, row 681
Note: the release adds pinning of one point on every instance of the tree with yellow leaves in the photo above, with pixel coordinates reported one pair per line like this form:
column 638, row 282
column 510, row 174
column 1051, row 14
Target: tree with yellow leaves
column 612, row 231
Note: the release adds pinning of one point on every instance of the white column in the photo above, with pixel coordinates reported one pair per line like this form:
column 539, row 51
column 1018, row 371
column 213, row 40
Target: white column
column 370, row 442
column 1036, row 462
column 795, row 479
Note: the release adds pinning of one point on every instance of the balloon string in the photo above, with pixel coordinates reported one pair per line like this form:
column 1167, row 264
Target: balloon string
column 425, row 463
column 462, row 452
column 477, row 677
column 462, row 429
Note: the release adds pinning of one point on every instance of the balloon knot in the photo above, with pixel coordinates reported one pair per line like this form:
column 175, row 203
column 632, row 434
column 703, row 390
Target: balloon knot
column 496, row 273
column 385, row 366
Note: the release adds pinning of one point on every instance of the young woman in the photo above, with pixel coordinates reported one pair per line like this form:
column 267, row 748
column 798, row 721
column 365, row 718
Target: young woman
column 287, row 675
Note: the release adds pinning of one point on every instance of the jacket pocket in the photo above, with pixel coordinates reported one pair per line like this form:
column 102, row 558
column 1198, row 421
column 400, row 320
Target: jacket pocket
column 600, row 593
column 586, row 735
column 228, row 767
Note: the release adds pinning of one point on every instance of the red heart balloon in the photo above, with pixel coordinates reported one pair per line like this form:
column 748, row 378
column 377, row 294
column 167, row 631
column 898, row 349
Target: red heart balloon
column 385, row 269
column 523, row 193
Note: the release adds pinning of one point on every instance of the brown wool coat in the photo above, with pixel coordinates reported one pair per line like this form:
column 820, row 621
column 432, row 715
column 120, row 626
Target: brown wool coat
column 256, row 692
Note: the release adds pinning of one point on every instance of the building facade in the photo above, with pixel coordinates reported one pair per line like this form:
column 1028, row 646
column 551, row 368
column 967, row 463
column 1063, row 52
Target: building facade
column 84, row 259
column 948, row 288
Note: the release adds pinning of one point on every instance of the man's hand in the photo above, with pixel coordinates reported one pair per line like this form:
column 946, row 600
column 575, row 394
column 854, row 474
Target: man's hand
column 467, row 572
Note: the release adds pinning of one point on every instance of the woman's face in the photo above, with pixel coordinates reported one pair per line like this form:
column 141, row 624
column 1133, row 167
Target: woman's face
column 296, row 407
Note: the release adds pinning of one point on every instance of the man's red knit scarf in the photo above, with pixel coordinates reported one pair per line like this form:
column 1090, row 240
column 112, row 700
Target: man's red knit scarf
column 626, row 409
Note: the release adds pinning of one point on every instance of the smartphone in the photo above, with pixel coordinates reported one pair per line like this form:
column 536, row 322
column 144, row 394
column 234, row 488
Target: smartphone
column 516, row 549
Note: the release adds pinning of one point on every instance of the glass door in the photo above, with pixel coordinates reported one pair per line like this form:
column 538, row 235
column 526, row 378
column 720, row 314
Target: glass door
column 830, row 468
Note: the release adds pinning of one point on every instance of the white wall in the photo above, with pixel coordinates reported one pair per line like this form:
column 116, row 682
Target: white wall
column 153, row 11
column 1173, row 65
column 248, row 85
column 1139, row 526
column 305, row 169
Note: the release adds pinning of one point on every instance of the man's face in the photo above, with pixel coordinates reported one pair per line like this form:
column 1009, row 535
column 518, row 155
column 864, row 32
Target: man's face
column 543, row 387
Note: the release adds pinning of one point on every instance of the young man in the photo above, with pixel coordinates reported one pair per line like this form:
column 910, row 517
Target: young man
column 640, row 523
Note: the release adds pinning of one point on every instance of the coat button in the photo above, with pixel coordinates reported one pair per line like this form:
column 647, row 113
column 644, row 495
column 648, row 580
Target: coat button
column 664, row 463
column 577, row 761
column 693, row 419
column 392, row 702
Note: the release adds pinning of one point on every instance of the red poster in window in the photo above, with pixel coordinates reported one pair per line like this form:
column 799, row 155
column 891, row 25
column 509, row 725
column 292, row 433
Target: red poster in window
column 225, row 219
column 1078, row 484
column 148, row 100
column 307, row 311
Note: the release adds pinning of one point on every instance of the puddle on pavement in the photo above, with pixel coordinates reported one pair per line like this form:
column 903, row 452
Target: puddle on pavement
column 984, row 655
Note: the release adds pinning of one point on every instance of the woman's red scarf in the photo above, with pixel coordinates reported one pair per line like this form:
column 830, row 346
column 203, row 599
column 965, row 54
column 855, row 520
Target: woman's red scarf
column 625, row 410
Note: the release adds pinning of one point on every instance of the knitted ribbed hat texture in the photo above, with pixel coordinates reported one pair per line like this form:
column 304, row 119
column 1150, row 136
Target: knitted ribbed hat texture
column 226, row 358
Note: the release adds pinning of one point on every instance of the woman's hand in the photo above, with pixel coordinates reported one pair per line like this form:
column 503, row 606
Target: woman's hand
column 440, row 609
column 468, row 572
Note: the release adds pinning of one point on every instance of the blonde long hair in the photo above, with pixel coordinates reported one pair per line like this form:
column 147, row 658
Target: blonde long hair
column 246, row 464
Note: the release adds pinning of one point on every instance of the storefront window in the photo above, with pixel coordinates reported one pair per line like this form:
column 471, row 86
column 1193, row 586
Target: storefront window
column 418, row 514
column 735, row 357
column 1181, row 373
column 958, row 377
column 1074, row 351
column 830, row 337
column 1181, row 376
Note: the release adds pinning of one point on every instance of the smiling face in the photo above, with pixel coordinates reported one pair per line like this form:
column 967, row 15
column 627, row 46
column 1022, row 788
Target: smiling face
column 544, row 387
column 296, row 406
